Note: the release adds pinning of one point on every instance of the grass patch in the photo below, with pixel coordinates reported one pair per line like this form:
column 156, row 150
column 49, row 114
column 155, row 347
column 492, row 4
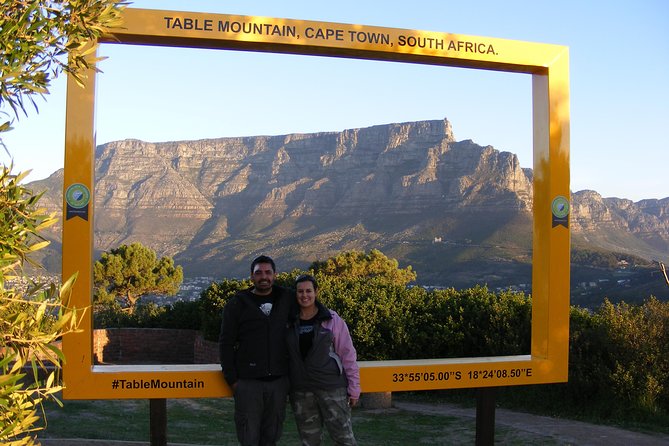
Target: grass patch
column 209, row 421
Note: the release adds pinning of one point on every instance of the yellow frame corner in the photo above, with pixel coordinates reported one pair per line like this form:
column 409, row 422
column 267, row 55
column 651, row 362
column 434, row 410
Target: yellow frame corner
column 549, row 67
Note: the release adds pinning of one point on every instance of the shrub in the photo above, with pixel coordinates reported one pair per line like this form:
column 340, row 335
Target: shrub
column 30, row 320
column 180, row 315
column 212, row 301
column 638, row 352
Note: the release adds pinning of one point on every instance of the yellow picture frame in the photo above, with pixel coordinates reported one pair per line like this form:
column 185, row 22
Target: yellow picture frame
column 547, row 64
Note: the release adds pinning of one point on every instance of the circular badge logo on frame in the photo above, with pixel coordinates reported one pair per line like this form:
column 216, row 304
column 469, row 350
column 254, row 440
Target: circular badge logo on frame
column 560, row 207
column 78, row 196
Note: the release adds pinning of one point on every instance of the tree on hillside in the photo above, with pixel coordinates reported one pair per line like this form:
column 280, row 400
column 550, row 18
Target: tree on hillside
column 130, row 272
column 357, row 264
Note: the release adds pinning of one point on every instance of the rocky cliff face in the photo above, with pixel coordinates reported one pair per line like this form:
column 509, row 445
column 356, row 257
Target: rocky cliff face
column 621, row 225
column 409, row 189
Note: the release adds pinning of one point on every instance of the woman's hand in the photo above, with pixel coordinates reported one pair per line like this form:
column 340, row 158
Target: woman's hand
column 352, row 402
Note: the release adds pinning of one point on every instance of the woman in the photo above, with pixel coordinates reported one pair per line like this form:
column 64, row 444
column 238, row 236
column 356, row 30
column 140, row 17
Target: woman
column 324, row 374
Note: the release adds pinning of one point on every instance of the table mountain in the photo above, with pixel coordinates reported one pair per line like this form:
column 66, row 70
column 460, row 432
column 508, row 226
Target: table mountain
column 458, row 212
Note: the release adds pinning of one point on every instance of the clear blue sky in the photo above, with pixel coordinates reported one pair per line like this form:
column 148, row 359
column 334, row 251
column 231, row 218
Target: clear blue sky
column 619, row 62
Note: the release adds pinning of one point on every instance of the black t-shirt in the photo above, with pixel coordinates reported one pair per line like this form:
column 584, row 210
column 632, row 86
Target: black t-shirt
column 265, row 303
column 306, row 335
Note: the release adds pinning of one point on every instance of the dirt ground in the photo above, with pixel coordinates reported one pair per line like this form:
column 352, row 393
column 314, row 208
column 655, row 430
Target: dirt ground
column 561, row 431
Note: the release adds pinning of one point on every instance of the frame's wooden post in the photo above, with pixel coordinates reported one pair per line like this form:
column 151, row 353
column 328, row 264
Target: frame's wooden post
column 485, row 416
column 158, row 421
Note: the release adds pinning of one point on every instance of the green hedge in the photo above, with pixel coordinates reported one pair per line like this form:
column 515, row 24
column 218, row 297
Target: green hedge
column 180, row 315
column 619, row 354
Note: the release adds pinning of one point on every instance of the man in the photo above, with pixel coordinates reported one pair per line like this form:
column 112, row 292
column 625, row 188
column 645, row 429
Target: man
column 254, row 357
